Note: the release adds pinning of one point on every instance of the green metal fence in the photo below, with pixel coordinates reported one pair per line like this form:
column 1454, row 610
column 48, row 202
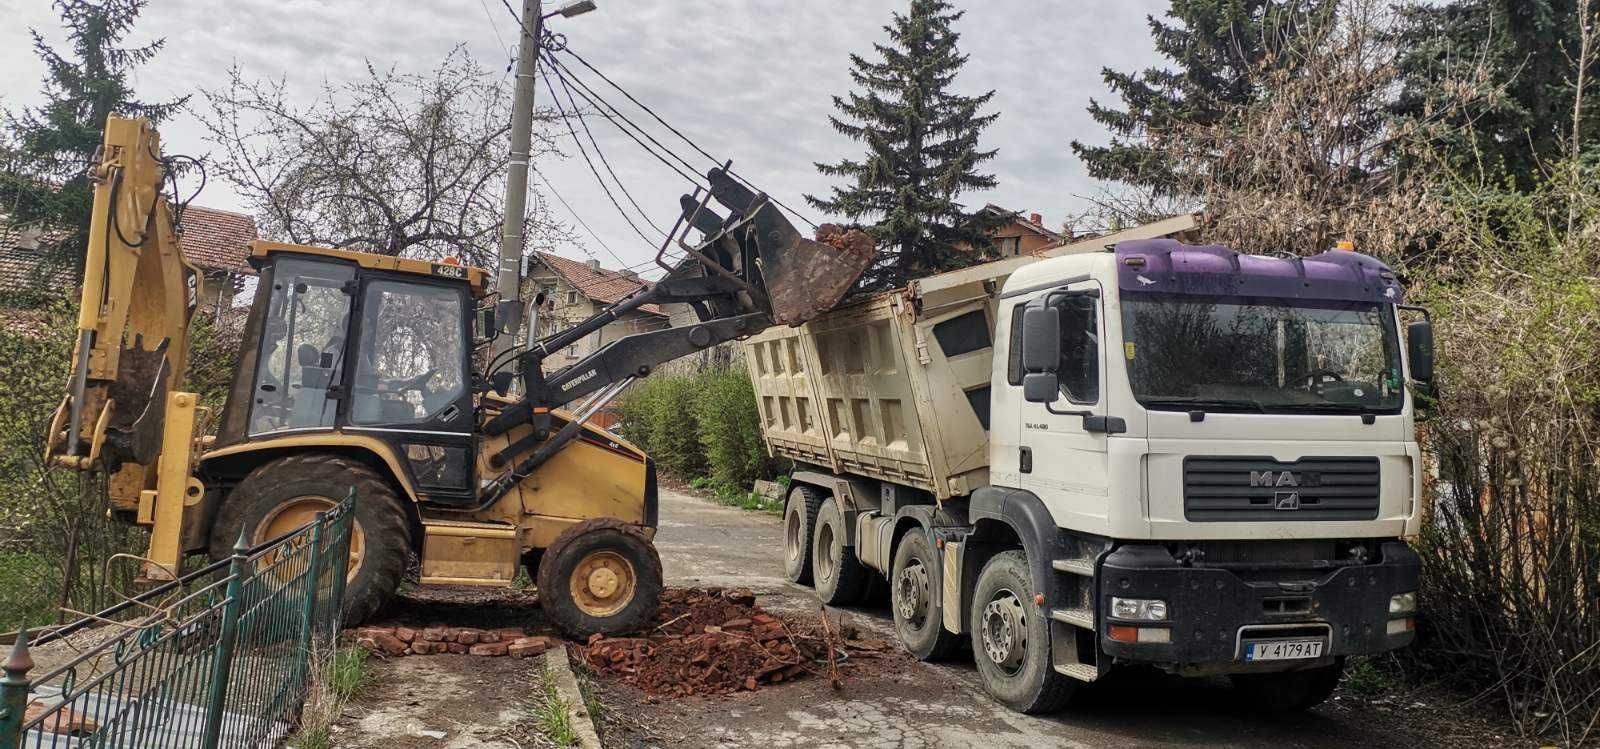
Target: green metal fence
column 218, row 658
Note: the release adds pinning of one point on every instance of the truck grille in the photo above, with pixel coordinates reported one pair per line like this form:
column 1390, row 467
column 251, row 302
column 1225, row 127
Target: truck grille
column 1218, row 489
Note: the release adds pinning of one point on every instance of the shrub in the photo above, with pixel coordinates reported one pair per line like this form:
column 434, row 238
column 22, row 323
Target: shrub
column 659, row 414
column 700, row 424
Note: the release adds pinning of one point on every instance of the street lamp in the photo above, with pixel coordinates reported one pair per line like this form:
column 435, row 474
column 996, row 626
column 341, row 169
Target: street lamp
column 575, row 8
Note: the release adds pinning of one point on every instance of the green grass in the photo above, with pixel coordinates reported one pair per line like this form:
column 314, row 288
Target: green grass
column 551, row 714
column 740, row 498
column 1363, row 678
column 348, row 674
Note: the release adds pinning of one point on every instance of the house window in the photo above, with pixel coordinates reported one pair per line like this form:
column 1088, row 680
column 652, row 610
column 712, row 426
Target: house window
column 1008, row 246
column 572, row 297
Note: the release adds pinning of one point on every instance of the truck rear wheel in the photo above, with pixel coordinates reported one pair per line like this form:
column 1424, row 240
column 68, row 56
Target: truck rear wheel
column 799, row 522
column 1011, row 639
column 1290, row 691
column 840, row 578
column 283, row 495
column 601, row 575
column 918, row 614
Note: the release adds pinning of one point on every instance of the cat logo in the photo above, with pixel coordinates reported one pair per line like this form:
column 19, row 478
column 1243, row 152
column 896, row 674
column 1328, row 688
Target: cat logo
column 1273, row 478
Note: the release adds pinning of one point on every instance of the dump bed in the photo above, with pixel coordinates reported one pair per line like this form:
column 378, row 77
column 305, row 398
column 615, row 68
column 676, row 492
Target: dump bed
column 894, row 386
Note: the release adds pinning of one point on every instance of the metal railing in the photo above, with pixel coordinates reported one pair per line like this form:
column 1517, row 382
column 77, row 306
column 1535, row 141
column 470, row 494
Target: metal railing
column 220, row 657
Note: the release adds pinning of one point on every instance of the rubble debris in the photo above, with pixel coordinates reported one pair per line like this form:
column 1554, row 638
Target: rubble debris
column 711, row 641
column 852, row 241
column 64, row 720
column 435, row 639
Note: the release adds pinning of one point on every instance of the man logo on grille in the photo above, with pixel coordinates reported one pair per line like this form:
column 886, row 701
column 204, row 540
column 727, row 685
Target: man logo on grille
column 1286, row 501
column 1273, row 478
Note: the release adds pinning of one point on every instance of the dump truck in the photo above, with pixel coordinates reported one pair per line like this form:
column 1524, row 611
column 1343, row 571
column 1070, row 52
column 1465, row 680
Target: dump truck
column 1154, row 453
column 364, row 374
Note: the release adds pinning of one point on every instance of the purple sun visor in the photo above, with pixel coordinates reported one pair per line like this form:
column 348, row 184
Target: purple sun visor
column 1170, row 267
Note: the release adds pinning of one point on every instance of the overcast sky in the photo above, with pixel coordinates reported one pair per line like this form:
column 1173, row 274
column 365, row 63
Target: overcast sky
column 749, row 79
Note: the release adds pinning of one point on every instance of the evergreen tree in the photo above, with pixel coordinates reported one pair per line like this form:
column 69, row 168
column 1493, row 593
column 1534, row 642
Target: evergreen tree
column 1527, row 48
column 922, row 150
column 46, row 183
column 1217, row 46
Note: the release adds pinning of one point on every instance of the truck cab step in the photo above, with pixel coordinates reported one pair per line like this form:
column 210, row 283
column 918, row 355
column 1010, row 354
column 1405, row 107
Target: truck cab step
column 1079, row 671
column 1084, row 567
column 1077, row 617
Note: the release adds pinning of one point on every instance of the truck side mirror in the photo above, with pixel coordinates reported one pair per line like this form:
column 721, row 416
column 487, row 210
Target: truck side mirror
column 1041, row 353
column 1419, row 350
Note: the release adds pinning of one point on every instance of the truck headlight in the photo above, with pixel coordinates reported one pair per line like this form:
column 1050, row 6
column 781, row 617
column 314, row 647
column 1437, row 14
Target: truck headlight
column 1403, row 603
column 1139, row 609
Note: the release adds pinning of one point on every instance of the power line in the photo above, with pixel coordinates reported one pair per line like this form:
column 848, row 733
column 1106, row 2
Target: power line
column 613, row 115
column 552, row 188
column 603, row 160
column 596, row 172
column 679, row 133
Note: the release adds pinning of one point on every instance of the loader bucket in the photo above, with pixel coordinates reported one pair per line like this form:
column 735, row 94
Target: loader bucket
column 800, row 278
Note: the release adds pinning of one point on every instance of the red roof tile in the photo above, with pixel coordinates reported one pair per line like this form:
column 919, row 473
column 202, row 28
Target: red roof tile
column 600, row 284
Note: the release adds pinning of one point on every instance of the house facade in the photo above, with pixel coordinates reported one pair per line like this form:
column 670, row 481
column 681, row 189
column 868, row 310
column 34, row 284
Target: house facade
column 577, row 289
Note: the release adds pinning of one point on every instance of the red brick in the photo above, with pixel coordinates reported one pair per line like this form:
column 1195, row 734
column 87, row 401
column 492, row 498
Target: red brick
column 434, row 634
column 406, row 634
column 526, row 647
column 736, row 624
column 489, row 636
column 423, row 647
column 763, row 618
column 389, row 644
column 467, row 636
column 456, row 648
column 490, row 648
column 511, row 633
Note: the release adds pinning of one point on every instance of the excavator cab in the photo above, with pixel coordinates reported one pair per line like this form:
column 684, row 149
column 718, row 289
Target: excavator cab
column 335, row 343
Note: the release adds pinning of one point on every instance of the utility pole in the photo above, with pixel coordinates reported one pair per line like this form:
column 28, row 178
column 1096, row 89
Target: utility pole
column 508, row 313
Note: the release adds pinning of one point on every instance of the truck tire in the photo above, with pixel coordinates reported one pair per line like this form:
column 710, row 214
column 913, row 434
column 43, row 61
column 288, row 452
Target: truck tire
column 600, row 576
column 840, row 578
column 914, row 598
column 1289, row 691
column 799, row 520
column 1011, row 639
column 282, row 495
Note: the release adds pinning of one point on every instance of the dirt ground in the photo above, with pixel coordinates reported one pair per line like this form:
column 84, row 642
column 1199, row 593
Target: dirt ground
column 887, row 699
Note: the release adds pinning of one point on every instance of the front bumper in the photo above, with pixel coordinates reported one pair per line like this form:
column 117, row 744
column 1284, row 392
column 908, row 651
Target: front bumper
column 1214, row 611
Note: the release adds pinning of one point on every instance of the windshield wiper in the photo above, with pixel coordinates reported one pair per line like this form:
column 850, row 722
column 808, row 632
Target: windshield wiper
column 1201, row 404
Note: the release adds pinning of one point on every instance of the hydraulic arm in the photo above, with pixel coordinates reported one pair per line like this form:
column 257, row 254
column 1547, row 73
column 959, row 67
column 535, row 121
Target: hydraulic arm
column 752, row 269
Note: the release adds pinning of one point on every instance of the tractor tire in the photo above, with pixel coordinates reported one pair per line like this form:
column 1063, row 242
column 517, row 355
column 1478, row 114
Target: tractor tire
column 288, row 492
column 600, row 576
column 1011, row 639
column 1289, row 691
column 840, row 578
column 914, row 599
column 799, row 521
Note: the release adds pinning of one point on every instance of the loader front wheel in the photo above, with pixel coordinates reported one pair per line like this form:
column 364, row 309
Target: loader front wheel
column 282, row 496
column 601, row 575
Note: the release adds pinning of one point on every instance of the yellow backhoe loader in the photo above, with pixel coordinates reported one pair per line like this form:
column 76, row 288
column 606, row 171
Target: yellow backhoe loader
column 357, row 372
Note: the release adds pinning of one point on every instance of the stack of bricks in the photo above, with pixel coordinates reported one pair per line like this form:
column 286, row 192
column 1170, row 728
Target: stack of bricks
column 437, row 639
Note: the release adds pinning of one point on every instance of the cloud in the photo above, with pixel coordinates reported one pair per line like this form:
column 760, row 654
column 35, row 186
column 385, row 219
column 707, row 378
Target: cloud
column 750, row 80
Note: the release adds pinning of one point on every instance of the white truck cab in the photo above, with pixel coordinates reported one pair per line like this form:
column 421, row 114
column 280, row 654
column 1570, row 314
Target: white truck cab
column 1196, row 459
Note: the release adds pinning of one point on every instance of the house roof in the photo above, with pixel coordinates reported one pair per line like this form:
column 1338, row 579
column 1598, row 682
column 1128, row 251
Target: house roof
column 213, row 240
column 600, row 284
column 217, row 240
column 1025, row 222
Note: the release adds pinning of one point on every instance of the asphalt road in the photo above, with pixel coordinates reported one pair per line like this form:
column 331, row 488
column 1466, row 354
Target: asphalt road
column 924, row 705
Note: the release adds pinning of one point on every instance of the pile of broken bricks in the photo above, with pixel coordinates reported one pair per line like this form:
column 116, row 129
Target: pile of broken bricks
column 396, row 641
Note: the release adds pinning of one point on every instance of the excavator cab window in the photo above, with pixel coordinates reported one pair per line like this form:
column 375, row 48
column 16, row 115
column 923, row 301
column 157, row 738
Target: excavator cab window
column 411, row 364
column 302, row 347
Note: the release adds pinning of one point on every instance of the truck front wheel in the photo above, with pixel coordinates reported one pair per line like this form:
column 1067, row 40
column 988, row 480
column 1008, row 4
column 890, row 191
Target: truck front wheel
column 918, row 615
column 282, row 496
column 1290, row 691
column 1011, row 639
column 839, row 576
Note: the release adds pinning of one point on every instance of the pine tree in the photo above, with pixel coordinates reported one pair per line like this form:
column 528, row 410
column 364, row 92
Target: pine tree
column 1216, row 46
column 922, row 150
column 47, row 182
column 1527, row 48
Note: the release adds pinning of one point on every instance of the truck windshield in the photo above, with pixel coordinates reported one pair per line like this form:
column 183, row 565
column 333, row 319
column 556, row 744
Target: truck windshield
column 1198, row 353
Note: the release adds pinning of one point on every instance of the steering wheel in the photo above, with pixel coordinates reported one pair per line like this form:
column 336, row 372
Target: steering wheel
column 418, row 383
column 1319, row 377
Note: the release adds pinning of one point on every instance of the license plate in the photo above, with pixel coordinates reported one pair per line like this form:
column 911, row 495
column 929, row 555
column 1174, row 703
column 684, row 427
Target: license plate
column 1282, row 650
